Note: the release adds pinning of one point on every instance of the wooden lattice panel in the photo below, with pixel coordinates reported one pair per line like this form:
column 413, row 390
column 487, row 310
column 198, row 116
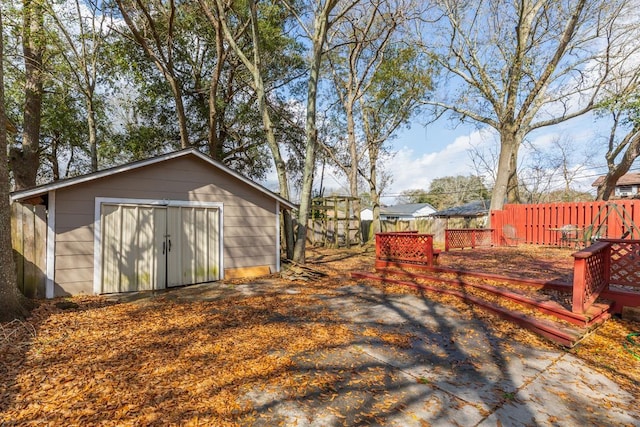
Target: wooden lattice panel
column 595, row 278
column 458, row 239
column 404, row 247
column 468, row 238
column 625, row 263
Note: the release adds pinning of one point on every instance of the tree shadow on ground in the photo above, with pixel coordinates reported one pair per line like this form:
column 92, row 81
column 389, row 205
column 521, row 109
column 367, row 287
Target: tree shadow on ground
column 331, row 352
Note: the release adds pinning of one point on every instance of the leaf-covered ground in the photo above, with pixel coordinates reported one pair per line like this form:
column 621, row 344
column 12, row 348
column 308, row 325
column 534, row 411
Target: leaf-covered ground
column 192, row 361
column 608, row 349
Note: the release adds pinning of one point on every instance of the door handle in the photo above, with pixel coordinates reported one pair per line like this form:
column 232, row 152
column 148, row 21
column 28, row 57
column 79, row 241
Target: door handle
column 169, row 246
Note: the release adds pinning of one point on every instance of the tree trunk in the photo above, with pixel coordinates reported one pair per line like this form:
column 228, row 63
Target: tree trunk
column 353, row 170
column 93, row 139
column 513, row 187
column 182, row 117
column 55, row 163
column 10, row 298
column 255, row 68
column 25, row 161
column 607, row 188
column 506, row 168
column 321, row 25
column 373, row 188
column 215, row 142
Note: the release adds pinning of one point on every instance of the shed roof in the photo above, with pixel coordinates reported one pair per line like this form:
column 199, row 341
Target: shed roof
column 40, row 190
column 471, row 209
column 626, row 179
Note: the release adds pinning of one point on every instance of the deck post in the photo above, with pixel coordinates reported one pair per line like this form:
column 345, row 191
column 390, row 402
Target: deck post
column 446, row 240
column 579, row 285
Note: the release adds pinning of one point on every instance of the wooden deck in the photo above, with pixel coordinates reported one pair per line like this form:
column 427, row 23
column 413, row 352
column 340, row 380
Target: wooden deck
column 526, row 302
column 530, row 286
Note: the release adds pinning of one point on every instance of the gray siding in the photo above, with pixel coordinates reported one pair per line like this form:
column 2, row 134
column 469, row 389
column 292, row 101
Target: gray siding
column 249, row 215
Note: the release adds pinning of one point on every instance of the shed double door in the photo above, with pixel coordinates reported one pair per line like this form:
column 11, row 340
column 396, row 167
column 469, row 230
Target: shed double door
column 155, row 247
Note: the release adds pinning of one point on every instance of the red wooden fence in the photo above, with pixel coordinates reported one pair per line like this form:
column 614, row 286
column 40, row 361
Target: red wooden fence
column 538, row 224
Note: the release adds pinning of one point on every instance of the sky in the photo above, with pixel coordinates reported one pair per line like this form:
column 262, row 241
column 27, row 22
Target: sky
column 423, row 153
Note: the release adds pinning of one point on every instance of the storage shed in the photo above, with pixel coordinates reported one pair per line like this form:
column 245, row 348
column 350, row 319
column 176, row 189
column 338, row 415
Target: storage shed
column 176, row 219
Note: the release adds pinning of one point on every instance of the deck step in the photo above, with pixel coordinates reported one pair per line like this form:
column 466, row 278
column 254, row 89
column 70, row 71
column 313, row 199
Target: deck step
column 562, row 334
column 593, row 316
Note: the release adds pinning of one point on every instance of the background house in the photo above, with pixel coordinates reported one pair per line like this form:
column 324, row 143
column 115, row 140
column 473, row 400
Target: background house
column 366, row 214
column 476, row 211
column 177, row 219
column 406, row 212
column 627, row 186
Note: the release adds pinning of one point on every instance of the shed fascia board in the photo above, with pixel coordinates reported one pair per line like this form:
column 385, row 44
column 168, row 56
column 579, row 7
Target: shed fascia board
column 43, row 189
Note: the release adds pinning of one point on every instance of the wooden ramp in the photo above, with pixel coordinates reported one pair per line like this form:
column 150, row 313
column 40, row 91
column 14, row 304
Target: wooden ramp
column 533, row 304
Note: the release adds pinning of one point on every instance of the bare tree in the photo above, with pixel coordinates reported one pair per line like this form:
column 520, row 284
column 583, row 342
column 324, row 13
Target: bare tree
column 379, row 79
column 622, row 151
column 570, row 161
column 84, row 32
column 322, row 15
column 521, row 66
column 254, row 65
column 484, row 161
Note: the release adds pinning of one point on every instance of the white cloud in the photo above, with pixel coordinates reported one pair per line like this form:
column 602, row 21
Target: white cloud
column 413, row 170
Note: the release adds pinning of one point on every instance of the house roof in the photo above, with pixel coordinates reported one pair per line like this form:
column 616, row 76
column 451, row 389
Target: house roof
column 64, row 183
column 409, row 209
column 475, row 208
column 626, row 179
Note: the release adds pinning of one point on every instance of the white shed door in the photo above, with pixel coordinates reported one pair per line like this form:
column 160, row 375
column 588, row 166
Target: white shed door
column 194, row 242
column 151, row 247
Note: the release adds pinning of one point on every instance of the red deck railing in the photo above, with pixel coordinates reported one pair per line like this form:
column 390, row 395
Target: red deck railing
column 407, row 247
column 607, row 262
column 591, row 273
column 610, row 261
column 625, row 262
column 467, row 238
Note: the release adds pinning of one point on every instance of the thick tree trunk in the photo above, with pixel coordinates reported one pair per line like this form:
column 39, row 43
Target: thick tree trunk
column 10, row 298
column 509, row 144
column 25, row 161
column 321, row 25
column 513, row 188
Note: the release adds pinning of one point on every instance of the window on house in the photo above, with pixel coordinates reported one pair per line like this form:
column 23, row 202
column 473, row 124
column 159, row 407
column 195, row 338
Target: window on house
column 625, row 190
